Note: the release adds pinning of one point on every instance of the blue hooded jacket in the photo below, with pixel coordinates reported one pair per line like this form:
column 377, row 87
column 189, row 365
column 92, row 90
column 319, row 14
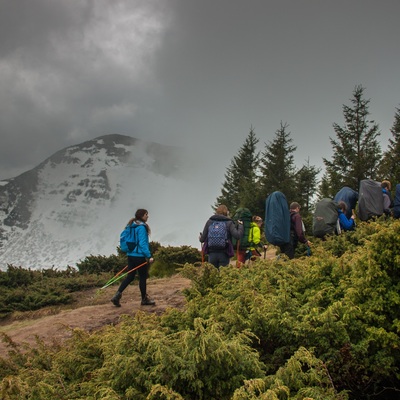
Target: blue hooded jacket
column 347, row 224
column 143, row 247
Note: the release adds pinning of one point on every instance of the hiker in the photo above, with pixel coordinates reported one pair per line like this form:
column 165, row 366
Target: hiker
column 387, row 199
column 346, row 224
column 217, row 237
column 136, row 257
column 350, row 197
column 396, row 202
column 242, row 245
column 252, row 252
column 296, row 231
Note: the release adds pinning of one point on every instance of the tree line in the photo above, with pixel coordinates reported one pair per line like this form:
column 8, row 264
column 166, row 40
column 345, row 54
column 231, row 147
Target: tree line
column 357, row 154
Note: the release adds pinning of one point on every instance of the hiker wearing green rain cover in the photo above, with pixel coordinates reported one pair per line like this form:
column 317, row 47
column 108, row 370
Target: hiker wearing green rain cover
column 140, row 255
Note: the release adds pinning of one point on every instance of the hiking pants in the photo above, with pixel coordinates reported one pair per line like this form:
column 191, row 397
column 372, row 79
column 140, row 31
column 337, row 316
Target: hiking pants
column 218, row 259
column 288, row 249
column 142, row 271
column 241, row 256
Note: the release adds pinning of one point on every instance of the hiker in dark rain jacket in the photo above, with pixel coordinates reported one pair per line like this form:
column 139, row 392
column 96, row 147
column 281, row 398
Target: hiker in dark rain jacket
column 221, row 257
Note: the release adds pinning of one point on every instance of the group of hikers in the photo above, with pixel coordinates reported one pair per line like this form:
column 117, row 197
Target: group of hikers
column 222, row 236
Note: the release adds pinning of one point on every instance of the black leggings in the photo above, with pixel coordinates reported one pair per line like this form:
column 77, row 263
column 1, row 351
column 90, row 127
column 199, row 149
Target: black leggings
column 143, row 271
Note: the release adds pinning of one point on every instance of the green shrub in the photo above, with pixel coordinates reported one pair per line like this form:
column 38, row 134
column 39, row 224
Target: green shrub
column 323, row 327
column 98, row 264
column 167, row 260
column 28, row 290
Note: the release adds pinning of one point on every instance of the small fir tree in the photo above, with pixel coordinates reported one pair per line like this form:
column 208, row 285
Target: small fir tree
column 356, row 151
column 306, row 186
column 277, row 165
column 390, row 165
column 240, row 178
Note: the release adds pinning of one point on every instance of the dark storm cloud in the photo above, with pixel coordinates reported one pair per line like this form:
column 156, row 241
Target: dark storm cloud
column 190, row 73
column 70, row 71
column 260, row 62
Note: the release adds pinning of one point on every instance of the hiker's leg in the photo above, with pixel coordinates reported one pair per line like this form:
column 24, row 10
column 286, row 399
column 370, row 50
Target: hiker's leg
column 116, row 298
column 213, row 259
column 287, row 249
column 241, row 256
column 290, row 250
column 132, row 263
column 223, row 259
column 143, row 272
column 128, row 279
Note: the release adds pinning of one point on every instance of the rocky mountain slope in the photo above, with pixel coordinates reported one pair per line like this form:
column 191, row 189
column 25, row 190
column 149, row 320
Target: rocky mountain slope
column 76, row 202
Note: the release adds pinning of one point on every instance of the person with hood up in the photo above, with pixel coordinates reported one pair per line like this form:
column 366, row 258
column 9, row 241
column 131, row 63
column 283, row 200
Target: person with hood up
column 220, row 228
column 346, row 224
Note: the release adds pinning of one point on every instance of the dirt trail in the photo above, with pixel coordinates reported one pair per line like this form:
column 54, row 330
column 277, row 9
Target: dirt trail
column 92, row 311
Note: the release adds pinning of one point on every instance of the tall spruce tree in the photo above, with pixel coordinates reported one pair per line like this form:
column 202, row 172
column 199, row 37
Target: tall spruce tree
column 390, row 165
column 239, row 188
column 306, row 186
column 356, row 152
column 277, row 166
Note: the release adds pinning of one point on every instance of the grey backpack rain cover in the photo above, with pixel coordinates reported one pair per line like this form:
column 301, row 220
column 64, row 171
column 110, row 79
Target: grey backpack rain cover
column 370, row 200
column 325, row 218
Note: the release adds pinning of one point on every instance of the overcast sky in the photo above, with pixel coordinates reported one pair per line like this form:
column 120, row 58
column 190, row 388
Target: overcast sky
column 193, row 73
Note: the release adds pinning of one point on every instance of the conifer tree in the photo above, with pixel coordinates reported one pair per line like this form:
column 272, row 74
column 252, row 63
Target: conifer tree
column 328, row 185
column 306, row 185
column 277, row 165
column 390, row 165
column 356, row 151
column 239, row 188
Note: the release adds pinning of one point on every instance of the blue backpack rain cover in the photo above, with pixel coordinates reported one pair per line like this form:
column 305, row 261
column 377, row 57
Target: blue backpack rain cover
column 277, row 219
column 217, row 238
column 349, row 196
column 127, row 239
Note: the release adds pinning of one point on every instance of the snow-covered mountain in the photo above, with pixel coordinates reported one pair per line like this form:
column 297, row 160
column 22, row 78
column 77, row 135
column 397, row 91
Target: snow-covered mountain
column 77, row 202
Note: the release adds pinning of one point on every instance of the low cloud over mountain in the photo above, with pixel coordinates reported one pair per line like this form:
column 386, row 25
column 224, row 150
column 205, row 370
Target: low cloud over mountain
column 76, row 202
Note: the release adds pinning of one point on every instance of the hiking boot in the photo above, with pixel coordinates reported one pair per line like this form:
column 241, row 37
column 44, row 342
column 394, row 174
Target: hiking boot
column 147, row 301
column 115, row 300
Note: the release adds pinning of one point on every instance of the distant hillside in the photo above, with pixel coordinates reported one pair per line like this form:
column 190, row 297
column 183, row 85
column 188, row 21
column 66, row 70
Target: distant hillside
column 76, row 202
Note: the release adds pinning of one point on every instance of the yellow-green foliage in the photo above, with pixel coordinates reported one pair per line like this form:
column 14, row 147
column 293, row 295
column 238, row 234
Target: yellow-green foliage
column 170, row 259
column 323, row 327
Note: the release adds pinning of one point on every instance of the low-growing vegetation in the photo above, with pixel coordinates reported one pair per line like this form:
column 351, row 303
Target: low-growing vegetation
column 29, row 290
column 322, row 327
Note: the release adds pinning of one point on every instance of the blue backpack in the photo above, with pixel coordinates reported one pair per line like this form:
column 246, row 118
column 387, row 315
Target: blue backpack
column 128, row 239
column 277, row 219
column 217, row 237
column 349, row 196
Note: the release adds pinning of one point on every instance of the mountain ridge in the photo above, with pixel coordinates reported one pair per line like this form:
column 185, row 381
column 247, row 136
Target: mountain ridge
column 76, row 201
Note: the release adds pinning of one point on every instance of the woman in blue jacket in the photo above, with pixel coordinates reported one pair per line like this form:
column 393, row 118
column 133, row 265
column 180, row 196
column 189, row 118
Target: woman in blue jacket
column 140, row 255
column 346, row 224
